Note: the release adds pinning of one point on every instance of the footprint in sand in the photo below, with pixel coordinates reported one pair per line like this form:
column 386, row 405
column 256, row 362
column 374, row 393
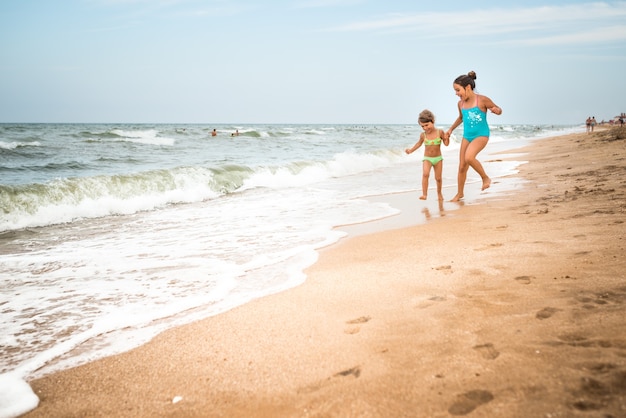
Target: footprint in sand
column 594, row 395
column 468, row 401
column 488, row 351
column 353, row 372
column 444, row 269
column 524, row 279
column 429, row 302
column 546, row 313
column 599, row 367
column 354, row 329
column 489, row 247
column 359, row 320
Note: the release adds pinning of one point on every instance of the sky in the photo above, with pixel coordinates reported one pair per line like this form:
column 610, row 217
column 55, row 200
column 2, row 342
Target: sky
column 307, row 61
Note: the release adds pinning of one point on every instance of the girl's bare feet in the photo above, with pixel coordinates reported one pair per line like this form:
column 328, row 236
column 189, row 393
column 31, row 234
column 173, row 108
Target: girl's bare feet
column 423, row 197
column 486, row 183
column 457, row 198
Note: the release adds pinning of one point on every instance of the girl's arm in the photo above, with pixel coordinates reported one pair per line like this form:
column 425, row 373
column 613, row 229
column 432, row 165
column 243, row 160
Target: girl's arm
column 417, row 145
column 444, row 137
column 487, row 103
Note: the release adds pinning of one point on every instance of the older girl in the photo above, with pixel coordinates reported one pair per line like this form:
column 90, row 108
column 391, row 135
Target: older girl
column 473, row 113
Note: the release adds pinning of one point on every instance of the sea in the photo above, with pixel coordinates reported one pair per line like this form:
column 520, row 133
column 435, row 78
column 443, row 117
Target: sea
column 112, row 233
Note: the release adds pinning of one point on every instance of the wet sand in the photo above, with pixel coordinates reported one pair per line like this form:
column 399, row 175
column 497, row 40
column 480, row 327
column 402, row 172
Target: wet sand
column 511, row 307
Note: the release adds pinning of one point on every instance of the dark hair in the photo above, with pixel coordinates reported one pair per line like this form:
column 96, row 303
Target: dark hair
column 426, row 116
column 466, row 80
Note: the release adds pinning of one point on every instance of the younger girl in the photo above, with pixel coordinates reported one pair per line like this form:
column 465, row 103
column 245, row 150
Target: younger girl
column 473, row 114
column 432, row 139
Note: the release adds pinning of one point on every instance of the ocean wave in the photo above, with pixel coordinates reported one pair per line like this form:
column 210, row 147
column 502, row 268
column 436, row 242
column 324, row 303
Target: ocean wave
column 14, row 144
column 277, row 132
column 68, row 199
column 314, row 132
column 255, row 133
column 139, row 136
column 149, row 137
column 303, row 173
column 65, row 200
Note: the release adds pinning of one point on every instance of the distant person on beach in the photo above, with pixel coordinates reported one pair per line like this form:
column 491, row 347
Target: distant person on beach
column 214, row 132
column 593, row 123
column 473, row 114
column 588, row 124
column 431, row 138
column 236, row 133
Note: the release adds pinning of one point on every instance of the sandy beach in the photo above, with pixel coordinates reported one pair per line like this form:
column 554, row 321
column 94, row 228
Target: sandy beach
column 511, row 306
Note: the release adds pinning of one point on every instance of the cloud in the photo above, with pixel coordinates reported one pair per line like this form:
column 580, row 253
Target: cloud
column 599, row 35
column 535, row 25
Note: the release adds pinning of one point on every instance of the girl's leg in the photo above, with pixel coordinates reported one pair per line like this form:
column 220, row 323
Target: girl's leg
column 438, row 168
column 474, row 147
column 425, row 173
column 463, row 167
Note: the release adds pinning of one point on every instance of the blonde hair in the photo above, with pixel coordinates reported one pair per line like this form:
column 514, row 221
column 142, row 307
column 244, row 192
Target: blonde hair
column 426, row 116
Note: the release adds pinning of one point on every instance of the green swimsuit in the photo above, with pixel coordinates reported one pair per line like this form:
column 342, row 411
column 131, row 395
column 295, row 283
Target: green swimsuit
column 433, row 160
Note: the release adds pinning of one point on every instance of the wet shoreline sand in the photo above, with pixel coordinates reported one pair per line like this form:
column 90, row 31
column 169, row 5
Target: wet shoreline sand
column 512, row 307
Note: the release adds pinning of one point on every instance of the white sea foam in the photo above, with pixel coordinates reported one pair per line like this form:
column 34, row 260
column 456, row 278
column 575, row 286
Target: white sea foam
column 16, row 396
column 15, row 144
column 149, row 137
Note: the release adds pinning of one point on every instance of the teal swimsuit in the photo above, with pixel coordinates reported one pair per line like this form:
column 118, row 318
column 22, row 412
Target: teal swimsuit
column 474, row 122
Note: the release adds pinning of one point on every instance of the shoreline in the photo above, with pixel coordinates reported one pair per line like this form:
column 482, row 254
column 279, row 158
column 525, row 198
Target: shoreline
column 512, row 307
column 407, row 201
